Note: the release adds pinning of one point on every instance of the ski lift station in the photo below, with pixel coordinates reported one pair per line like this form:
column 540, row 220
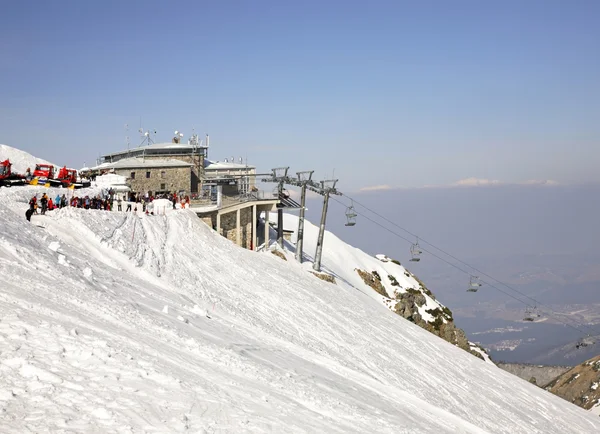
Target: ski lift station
column 222, row 193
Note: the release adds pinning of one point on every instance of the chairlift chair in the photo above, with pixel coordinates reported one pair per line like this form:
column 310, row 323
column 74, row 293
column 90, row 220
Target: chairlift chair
column 531, row 314
column 474, row 284
column 415, row 251
column 351, row 215
column 582, row 343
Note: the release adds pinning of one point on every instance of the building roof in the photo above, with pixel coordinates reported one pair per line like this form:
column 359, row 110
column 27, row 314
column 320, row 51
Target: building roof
column 157, row 147
column 140, row 163
column 219, row 165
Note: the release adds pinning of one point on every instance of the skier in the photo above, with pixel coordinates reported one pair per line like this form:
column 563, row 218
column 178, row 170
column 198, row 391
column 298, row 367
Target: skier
column 33, row 204
column 44, row 202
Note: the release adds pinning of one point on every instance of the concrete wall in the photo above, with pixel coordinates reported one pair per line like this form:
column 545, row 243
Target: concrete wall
column 228, row 226
column 175, row 179
column 210, row 220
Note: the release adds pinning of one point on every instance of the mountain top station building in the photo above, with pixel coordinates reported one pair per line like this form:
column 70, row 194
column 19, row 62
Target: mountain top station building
column 224, row 194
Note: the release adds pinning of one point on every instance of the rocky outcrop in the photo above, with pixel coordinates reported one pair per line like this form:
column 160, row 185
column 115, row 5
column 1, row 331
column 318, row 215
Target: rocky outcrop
column 373, row 280
column 326, row 277
column 279, row 254
column 540, row 375
column 411, row 304
column 580, row 385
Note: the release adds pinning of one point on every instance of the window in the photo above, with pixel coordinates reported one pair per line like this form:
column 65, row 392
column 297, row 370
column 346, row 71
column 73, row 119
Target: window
column 163, row 174
column 163, row 186
column 132, row 175
column 147, row 174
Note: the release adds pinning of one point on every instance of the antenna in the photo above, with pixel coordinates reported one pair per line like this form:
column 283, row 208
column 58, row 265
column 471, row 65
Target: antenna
column 127, row 137
column 145, row 137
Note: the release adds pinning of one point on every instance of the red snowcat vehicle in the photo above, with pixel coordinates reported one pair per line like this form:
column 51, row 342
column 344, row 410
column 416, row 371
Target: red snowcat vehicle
column 44, row 174
column 69, row 178
column 7, row 177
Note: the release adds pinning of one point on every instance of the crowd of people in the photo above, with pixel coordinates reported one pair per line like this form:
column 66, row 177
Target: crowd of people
column 108, row 200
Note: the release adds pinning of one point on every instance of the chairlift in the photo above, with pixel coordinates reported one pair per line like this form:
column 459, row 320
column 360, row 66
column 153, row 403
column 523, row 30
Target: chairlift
column 531, row 314
column 415, row 251
column 474, row 284
column 351, row 215
column 582, row 343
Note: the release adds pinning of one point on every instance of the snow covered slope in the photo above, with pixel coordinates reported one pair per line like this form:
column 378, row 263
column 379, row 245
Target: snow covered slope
column 20, row 160
column 104, row 328
column 382, row 278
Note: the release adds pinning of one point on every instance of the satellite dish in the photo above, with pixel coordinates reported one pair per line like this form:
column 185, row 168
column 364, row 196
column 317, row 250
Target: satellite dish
column 180, row 134
column 146, row 134
column 176, row 132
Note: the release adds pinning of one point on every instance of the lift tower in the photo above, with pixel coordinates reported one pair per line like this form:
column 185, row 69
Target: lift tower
column 327, row 188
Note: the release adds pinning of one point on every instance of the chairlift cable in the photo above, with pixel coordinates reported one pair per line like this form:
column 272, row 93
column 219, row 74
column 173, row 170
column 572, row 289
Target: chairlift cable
column 537, row 302
column 549, row 312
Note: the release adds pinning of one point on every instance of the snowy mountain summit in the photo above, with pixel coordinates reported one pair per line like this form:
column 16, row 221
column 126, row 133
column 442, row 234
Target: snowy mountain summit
column 114, row 322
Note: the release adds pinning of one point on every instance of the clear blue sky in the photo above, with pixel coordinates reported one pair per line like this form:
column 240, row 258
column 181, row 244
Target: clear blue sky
column 398, row 93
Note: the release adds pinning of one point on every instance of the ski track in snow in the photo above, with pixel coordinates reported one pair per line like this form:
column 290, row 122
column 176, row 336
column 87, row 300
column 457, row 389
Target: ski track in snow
column 87, row 345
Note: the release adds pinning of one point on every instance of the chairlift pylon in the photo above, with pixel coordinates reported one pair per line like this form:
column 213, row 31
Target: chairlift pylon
column 415, row 251
column 351, row 215
column 474, row 284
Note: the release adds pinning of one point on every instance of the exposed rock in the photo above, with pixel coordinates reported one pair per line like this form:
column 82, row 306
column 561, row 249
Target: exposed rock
column 373, row 280
column 543, row 374
column 580, row 385
column 326, row 277
column 408, row 302
column 279, row 254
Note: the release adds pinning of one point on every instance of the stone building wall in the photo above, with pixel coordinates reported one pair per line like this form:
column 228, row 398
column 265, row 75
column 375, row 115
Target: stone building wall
column 197, row 161
column 174, row 179
column 228, row 226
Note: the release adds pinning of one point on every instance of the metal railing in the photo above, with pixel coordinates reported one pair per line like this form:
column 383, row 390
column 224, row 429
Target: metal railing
column 228, row 199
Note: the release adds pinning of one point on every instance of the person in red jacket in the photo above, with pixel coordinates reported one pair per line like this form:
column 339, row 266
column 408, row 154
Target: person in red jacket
column 50, row 204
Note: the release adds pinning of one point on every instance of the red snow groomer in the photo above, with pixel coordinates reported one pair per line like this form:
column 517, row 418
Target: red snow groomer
column 7, row 177
column 70, row 178
column 44, row 174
